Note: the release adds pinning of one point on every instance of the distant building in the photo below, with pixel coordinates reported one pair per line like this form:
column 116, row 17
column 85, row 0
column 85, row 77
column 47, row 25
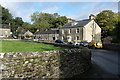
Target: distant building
column 25, row 34
column 52, row 34
column 69, row 20
column 83, row 30
column 87, row 30
column 5, row 30
column 107, row 40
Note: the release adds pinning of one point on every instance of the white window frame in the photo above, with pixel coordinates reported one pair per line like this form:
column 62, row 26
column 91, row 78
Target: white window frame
column 77, row 38
column 62, row 37
column 77, row 30
column 69, row 31
column 62, row 31
column 74, row 23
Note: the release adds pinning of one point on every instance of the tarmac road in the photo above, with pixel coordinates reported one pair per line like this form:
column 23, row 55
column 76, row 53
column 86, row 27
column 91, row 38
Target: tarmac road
column 105, row 65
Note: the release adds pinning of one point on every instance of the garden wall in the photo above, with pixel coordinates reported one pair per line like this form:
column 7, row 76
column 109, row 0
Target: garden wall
column 10, row 39
column 115, row 47
column 47, row 64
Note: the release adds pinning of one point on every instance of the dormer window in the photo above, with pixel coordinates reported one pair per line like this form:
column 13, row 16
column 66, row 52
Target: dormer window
column 74, row 23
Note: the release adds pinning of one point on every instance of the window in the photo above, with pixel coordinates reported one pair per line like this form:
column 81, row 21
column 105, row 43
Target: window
column 6, row 32
column 74, row 23
column 77, row 38
column 62, row 37
column 69, row 31
column 77, row 30
column 53, row 38
column 62, row 31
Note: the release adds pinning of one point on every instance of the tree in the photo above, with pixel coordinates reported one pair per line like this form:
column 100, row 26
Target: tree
column 117, row 33
column 6, row 16
column 60, row 21
column 15, row 23
column 26, row 26
column 18, row 21
column 107, row 21
column 44, row 21
column 41, row 26
column 56, row 15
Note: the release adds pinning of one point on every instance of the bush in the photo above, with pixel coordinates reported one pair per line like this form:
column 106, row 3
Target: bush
column 115, row 40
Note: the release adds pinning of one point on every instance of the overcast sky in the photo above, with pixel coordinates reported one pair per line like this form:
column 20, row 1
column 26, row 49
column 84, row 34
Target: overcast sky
column 75, row 10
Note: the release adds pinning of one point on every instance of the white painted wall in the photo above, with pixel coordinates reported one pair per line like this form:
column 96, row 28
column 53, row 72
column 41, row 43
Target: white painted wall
column 92, row 29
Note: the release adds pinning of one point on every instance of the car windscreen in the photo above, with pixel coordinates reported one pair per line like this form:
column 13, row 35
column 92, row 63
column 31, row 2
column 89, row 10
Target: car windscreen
column 84, row 42
column 98, row 42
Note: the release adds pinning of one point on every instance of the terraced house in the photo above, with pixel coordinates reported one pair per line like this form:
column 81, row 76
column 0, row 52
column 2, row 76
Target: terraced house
column 4, row 30
column 52, row 34
column 87, row 30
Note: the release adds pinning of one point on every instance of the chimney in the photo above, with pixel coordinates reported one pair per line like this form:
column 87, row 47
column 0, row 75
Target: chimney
column 70, row 20
column 92, row 17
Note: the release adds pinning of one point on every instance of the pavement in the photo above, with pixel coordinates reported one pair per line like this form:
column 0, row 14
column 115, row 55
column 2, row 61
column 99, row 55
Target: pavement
column 105, row 66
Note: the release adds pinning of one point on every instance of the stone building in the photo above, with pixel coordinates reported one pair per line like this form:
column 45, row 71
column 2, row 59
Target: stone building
column 25, row 34
column 52, row 34
column 69, row 20
column 4, row 30
column 87, row 30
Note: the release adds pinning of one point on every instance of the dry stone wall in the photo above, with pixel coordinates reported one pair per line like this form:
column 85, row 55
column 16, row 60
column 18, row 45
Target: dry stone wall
column 115, row 47
column 47, row 64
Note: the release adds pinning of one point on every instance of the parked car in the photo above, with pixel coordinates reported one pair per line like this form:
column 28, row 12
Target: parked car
column 84, row 43
column 60, row 41
column 76, row 43
column 95, row 44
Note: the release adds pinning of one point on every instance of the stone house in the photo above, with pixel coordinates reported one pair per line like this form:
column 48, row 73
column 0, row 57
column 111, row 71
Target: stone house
column 108, row 40
column 52, row 34
column 25, row 34
column 69, row 20
column 5, row 30
column 87, row 30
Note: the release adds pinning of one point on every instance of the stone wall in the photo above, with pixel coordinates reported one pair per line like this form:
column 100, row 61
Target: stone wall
column 10, row 39
column 112, row 46
column 47, row 64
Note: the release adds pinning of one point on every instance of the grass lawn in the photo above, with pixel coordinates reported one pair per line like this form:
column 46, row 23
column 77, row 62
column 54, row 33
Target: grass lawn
column 20, row 46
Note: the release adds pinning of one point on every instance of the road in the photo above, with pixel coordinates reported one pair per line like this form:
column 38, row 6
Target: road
column 105, row 65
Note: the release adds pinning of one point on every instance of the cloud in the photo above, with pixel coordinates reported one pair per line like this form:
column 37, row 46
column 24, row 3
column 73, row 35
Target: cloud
column 77, row 11
column 93, row 8
column 11, row 6
column 25, row 9
column 14, row 8
column 51, row 10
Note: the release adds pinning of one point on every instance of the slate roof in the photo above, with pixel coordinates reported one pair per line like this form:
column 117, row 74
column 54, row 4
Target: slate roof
column 80, row 23
column 48, row 32
column 5, row 26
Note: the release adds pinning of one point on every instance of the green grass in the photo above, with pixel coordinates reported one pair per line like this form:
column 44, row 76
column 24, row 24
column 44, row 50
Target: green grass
column 20, row 46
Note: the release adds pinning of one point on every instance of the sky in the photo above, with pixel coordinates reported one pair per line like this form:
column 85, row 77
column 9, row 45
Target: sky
column 75, row 10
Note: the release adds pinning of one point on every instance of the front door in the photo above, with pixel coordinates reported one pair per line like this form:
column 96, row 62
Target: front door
column 69, row 38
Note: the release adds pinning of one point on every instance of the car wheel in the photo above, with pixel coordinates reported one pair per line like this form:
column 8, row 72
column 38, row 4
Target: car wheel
column 93, row 47
column 89, row 47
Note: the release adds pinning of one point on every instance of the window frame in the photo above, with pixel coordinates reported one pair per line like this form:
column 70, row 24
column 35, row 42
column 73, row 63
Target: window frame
column 62, row 31
column 77, row 30
column 69, row 31
column 77, row 38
